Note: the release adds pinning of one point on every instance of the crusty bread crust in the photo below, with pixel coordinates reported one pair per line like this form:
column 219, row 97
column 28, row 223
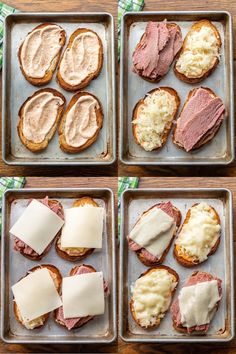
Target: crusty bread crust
column 207, row 137
column 73, row 271
column 62, row 140
column 169, row 26
column 40, row 256
column 196, row 27
column 168, row 125
column 92, row 75
column 57, row 282
column 35, row 147
column 48, row 76
column 158, row 319
column 82, row 252
column 186, row 260
column 141, row 257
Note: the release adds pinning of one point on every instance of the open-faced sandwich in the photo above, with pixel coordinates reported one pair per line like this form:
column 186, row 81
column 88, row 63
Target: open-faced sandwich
column 156, row 50
column 199, row 120
column 82, row 231
column 200, row 53
column 81, row 123
column 153, row 233
column 83, row 297
column 36, row 295
column 81, row 61
column 153, row 116
column 199, row 236
column 37, row 227
column 151, row 296
column 39, row 116
column 40, row 52
column 197, row 302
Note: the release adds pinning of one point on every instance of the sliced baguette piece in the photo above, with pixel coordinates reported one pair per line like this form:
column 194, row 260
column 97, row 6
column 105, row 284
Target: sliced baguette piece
column 196, row 27
column 40, row 321
column 61, row 131
column 207, row 137
column 167, row 128
column 32, row 146
column 75, row 254
column 180, row 255
column 92, row 75
column 141, row 256
column 154, row 321
column 53, row 64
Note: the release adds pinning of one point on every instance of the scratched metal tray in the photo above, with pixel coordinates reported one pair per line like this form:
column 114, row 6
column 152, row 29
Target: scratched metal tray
column 100, row 330
column 16, row 90
column 134, row 202
column 132, row 87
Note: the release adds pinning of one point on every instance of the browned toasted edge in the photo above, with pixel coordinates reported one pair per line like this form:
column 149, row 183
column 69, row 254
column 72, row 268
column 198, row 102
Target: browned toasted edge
column 40, row 256
column 35, row 147
column 158, row 321
column 159, row 78
column 73, row 272
column 52, row 269
column 99, row 115
column 206, row 138
column 160, row 260
column 49, row 74
column 87, row 251
column 191, row 263
column 168, row 125
column 91, row 76
column 196, row 27
column 182, row 329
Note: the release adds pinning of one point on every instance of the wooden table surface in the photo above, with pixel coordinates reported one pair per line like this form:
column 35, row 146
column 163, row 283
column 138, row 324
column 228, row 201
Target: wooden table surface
column 60, row 5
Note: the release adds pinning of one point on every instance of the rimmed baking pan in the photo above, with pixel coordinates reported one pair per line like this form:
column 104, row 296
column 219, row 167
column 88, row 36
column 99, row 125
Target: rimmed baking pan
column 132, row 88
column 102, row 329
column 133, row 203
column 16, row 90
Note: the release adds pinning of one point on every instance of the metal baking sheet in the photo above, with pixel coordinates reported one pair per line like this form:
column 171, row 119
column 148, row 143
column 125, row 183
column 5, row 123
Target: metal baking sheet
column 16, row 90
column 132, row 88
column 100, row 330
column 134, row 202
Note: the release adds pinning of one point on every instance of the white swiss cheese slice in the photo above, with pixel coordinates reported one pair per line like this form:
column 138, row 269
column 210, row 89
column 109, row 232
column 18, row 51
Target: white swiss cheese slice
column 36, row 295
column 83, row 295
column 83, row 227
column 197, row 303
column 37, row 226
column 154, row 231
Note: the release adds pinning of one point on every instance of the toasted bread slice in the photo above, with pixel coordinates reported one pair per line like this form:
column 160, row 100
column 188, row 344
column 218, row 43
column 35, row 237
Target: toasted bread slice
column 206, row 70
column 53, row 63
column 91, row 75
column 158, row 78
column 181, row 255
column 99, row 118
column 29, row 144
column 40, row 321
column 143, row 103
column 155, row 319
column 142, row 257
column 207, row 137
column 75, row 254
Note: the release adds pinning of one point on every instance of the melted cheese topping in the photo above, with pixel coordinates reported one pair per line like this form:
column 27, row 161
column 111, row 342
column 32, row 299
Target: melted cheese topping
column 200, row 234
column 200, row 52
column 153, row 116
column 197, row 303
column 152, row 296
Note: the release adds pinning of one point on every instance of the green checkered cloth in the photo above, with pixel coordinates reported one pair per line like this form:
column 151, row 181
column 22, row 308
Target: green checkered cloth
column 123, row 184
column 9, row 183
column 4, row 11
column 123, row 6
